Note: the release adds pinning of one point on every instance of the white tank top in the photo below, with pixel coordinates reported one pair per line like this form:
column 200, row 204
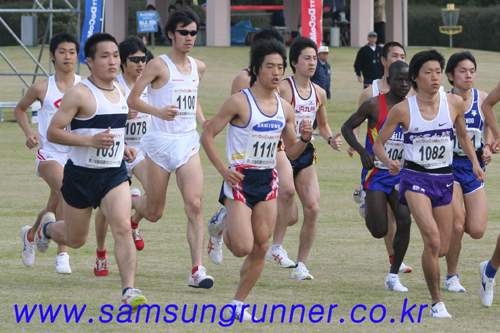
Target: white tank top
column 305, row 109
column 375, row 90
column 140, row 125
column 429, row 143
column 255, row 145
column 107, row 114
column 180, row 90
column 51, row 103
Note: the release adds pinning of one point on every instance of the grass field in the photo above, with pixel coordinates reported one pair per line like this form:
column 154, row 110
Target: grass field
column 349, row 266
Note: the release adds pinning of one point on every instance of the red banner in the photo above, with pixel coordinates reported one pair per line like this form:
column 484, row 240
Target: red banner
column 312, row 20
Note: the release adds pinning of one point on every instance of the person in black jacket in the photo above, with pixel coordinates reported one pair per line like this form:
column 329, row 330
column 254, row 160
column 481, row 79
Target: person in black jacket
column 368, row 66
column 322, row 76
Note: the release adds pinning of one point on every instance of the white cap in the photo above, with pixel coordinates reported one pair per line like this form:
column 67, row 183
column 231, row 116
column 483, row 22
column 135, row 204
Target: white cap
column 323, row 49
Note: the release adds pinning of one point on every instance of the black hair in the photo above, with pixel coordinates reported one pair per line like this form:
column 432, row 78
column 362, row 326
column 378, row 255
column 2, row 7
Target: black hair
column 269, row 32
column 455, row 59
column 297, row 46
column 128, row 46
column 387, row 47
column 171, row 7
column 151, row 7
column 396, row 67
column 259, row 50
column 90, row 47
column 419, row 60
column 61, row 38
column 185, row 16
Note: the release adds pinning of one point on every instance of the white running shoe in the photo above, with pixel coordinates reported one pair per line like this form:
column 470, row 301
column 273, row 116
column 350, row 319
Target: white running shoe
column 362, row 210
column 453, row 284
column 214, row 249
column 392, row 283
column 487, row 286
column 29, row 247
column 200, row 279
column 358, row 194
column 301, row 273
column 215, row 224
column 403, row 268
column 280, row 256
column 42, row 242
column 228, row 314
column 439, row 311
column 62, row 263
column 134, row 298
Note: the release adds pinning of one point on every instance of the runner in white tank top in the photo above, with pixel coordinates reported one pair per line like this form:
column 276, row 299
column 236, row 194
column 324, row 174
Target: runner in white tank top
column 95, row 175
column 172, row 144
column 50, row 157
column 426, row 185
column 309, row 101
column 132, row 62
column 255, row 119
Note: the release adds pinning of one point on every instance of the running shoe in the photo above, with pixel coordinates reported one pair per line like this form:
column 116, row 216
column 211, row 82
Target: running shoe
column 392, row 283
column 453, row 284
column 62, row 263
column 42, row 242
column 101, row 267
column 280, row 256
column 439, row 311
column 487, row 286
column 135, row 192
column 200, row 279
column 301, row 273
column 214, row 249
column 215, row 225
column 228, row 314
column 138, row 240
column 403, row 268
column 362, row 210
column 358, row 194
column 28, row 254
column 134, row 298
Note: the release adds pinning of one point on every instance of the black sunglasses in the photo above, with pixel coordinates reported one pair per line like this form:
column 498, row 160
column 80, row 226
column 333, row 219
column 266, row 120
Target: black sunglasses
column 137, row 59
column 186, row 32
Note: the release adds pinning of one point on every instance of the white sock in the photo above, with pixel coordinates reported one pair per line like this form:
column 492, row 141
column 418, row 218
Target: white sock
column 276, row 247
column 237, row 303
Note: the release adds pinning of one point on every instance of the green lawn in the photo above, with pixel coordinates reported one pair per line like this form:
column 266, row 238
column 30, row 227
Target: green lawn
column 349, row 266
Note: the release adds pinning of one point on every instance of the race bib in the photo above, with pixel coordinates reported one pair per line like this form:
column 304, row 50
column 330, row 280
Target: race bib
column 432, row 152
column 300, row 117
column 393, row 149
column 137, row 127
column 262, row 148
column 475, row 137
column 185, row 99
column 107, row 158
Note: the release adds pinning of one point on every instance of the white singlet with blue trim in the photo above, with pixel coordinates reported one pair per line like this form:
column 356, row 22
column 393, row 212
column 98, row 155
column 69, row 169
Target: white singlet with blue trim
column 305, row 109
column 255, row 145
column 107, row 115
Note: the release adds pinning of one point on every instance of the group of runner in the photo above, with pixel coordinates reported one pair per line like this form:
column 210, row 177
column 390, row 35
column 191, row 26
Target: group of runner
column 144, row 121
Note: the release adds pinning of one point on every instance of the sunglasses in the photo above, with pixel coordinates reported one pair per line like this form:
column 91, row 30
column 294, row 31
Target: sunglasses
column 137, row 59
column 186, row 32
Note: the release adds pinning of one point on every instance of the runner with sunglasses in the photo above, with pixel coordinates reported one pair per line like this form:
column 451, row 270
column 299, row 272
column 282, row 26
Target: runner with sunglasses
column 172, row 144
column 133, row 60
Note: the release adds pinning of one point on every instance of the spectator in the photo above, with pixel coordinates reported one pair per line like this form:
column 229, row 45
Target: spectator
column 178, row 4
column 368, row 66
column 322, row 75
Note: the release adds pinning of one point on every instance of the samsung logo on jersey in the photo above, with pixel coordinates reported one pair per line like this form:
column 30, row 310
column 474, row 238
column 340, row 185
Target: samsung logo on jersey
column 268, row 126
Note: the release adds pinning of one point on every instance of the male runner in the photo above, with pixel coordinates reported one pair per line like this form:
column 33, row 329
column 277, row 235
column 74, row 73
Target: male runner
column 95, row 175
column 391, row 52
column 172, row 144
column 133, row 59
column 309, row 102
column 257, row 118
column 50, row 157
column 379, row 185
column 427, row 181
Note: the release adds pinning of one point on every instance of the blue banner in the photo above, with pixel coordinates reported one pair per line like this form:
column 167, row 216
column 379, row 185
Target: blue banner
column 147, row 21
column 92, row 23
